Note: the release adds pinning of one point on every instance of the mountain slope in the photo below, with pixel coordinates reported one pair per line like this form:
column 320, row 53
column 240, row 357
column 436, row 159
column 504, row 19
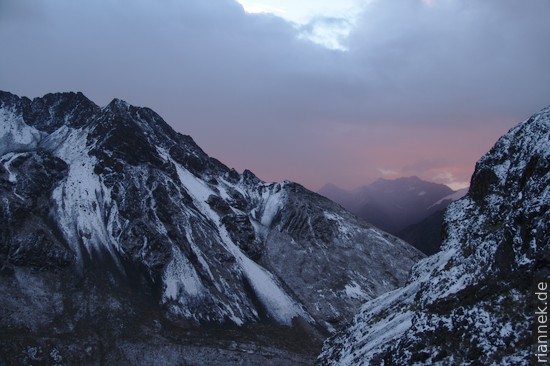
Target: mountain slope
column 472, row 302
column 426, row 235
column 391, row 204
column 112, row 198
column 402, row 207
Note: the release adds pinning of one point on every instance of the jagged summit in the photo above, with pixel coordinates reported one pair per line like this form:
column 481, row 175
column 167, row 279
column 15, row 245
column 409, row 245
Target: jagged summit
column 114, row 192
column 472, row 302
column 118, row 103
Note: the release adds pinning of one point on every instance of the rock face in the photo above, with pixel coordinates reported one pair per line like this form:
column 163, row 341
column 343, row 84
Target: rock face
column 470, row 304
column 112, row 224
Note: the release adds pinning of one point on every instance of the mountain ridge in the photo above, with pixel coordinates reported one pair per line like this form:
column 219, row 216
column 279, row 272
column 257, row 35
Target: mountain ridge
column 403, row 207
column 391, row 204
column 115, row 188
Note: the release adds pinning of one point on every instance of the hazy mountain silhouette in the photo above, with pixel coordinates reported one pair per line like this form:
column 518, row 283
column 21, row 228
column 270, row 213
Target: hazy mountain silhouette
column 394, row 205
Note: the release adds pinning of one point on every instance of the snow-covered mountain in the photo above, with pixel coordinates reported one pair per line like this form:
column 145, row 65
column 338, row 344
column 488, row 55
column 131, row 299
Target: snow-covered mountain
column 397, row 205
column 472, row 303
column 111, row 218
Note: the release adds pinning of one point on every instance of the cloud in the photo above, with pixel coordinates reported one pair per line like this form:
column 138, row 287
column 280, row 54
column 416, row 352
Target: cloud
column 450, row 180
column 388, row 173
column 256, row 95
column 330, row 32
column 262, row 8
column 454, row 61
column 423, row 166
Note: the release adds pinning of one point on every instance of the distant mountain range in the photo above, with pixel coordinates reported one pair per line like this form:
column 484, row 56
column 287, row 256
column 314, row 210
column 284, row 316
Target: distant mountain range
column 408, row 207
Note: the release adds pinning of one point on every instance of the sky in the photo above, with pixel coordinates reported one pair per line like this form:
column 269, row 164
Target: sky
column 310, row 91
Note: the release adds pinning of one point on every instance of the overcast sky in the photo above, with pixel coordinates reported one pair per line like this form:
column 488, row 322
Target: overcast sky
column 382, row 88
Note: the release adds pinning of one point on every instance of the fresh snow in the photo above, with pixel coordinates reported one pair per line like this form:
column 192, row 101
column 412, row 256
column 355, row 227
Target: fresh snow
column 375, row 233
column 340, row 221
column 384, row 331
column 180, row 278
column 81, row 198
column 15, row 134
column 355, row 291
column 197, row 258
column 278, row 303
column 272, row 206
column 6, row 160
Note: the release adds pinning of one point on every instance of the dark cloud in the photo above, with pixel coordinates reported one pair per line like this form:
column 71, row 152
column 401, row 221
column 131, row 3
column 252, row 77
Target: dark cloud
column 255, row 95
column 456, row 60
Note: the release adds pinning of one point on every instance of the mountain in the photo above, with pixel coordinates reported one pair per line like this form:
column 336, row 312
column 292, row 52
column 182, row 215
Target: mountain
column 474, row 302
column 391, row 204
column 397, row 205
column 426, row 235
column 122, row 242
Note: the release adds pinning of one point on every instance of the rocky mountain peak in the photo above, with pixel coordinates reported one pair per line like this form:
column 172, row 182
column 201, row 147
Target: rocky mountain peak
column 117, row 219
column 118, row 105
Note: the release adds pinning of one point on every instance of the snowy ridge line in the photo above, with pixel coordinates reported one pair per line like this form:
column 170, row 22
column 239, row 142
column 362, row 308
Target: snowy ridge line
column 209, row 244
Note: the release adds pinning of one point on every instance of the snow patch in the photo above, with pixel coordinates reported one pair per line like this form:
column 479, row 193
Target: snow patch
column 272, row 206
column 81, row 199
column 6, row 160
column 180, row 278
column 277, row 302
column 15, row 134
column 354, row 291
column 376, row 336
